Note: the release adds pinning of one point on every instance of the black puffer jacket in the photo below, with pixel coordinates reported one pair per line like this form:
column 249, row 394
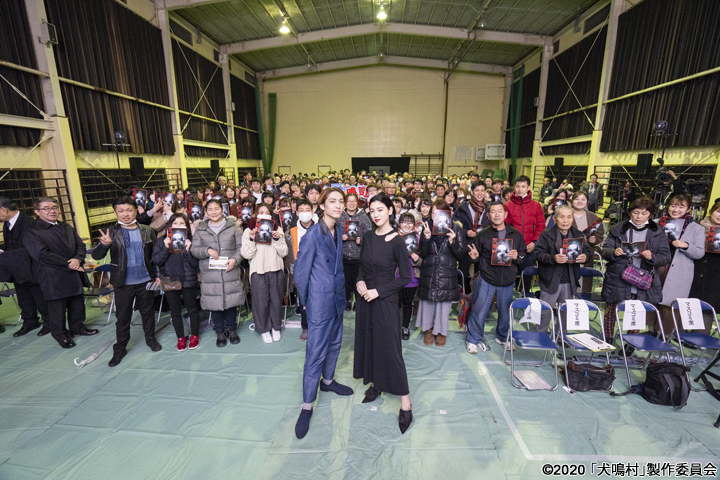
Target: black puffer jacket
column 615, row 289
column 438, row 274
column 178, row 266
column 548, row 245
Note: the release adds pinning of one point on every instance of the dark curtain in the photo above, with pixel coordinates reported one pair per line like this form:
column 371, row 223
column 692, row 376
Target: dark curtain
column 583, row 60
column 659, row 41
column 528, row 113
column 104, row 44
column 568, row 149
column 16, row 47
column 243, row 95
column 193, row 75
column 247, row 144
column 94, row 116
column 193, row 151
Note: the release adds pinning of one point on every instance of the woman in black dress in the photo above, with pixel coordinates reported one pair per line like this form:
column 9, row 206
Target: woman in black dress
column 378, row 347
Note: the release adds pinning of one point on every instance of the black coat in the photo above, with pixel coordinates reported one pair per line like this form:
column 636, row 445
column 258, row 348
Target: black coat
column 706, row 282
column 118, row 256
column 438, row 274
column 548, row 245
column 51, row 257
column 182, row 266
column 15, row 263
column 615, row 289
column 466, row 216
column 498, row 275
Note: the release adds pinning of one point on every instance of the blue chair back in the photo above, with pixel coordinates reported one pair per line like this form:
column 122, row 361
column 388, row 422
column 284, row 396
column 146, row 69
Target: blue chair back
column 102, row 268
column 525, row 302
column 590, row 272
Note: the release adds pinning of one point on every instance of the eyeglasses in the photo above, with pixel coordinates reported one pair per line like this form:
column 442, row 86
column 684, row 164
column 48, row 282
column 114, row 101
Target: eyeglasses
column 50, row 209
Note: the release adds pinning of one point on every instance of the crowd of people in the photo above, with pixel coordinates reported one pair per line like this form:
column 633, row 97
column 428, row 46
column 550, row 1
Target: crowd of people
column 387, row 247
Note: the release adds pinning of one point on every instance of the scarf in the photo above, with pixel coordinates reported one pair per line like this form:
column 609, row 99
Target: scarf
column 478, row 208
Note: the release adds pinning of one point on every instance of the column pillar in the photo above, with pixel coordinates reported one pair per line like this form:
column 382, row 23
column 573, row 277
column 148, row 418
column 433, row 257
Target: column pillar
column 225, row 65
column 544, row 67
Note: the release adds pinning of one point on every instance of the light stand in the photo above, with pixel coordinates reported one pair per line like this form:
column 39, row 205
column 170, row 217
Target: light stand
column 119, row 142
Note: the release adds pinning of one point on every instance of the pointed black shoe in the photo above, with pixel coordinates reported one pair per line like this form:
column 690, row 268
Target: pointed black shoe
column 404, row 419
column 303, row 423
column 335, row 387
column 2, row 328
column 23, row 330
column 67, row 343
column 84, row 331
column 371, row 394
column 43, row 331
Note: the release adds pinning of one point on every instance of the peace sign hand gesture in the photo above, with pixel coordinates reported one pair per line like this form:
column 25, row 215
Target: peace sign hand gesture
column 474, row 254
column 426, row 230
column 105, row 238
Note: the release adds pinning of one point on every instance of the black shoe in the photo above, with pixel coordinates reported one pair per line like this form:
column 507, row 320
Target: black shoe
column 221, row 340
column 354, row 306
column 348, row 306
column 404, row 419
column 371, row 394
column 43, row 331
column 66, row 343
column 303, row 423
column 24, row 330
column 153, row 344
column 406, row 333
column 84, row 331
column 336, row 387
column 233, row 337
column 117, row 358
column 2, row 328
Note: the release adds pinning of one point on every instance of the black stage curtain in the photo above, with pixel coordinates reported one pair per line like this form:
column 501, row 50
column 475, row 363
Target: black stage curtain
column 203, row 130
column 528, row 113
column 659, row 41
column 16, row 47
column 396, row 164
column 243, row 95
column 247, row 144
column 193, row 151
column 583, row 60
column 94, row 116
column 568, row 149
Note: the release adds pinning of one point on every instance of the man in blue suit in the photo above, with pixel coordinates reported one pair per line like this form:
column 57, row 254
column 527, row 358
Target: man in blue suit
column 320, row 284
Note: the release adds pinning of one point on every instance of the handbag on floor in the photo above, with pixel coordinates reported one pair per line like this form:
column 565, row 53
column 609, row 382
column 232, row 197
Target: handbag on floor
column 667, row 384
column 584, row 377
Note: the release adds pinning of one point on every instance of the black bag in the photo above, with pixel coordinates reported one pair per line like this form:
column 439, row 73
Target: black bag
column 584, row 377
column 667, row 384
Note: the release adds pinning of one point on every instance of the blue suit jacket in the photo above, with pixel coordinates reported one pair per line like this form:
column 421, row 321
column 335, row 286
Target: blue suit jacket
column 318, row 272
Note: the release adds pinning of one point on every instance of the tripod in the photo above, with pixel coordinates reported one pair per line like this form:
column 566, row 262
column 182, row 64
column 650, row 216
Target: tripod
column 711, row 390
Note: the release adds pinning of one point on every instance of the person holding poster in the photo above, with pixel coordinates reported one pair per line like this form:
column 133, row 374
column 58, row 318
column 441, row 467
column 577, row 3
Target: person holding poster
column 706, row 282
column 352, row 218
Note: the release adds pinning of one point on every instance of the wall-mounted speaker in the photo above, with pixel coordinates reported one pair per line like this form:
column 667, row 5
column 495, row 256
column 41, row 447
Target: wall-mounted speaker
column 215, row 167
column 644, row 162
column 137, row 168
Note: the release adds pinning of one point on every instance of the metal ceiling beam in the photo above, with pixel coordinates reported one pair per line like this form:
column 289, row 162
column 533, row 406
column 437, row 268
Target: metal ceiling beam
column 372, row 28
column 175, row 4
column 25, row 122
column 386, row 60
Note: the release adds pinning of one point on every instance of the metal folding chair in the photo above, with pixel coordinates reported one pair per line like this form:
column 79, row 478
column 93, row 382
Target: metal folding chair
column 641, row 342
column 98, row 292
column 531, row 340
column 564, row 331
column 529, row 271
column 592, row 273
column 696, row 341
column 7, row 292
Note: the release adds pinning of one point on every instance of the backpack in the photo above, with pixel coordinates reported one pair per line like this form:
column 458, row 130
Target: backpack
column 667, row 384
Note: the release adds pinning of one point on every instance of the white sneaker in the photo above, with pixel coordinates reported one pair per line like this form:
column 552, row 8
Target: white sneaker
column 506, row 345
column 483, row 345
column 267, row 338
column 471, row 347
column 276, row 335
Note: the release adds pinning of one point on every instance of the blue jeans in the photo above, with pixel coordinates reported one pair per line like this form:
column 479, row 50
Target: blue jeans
column 484, row 293
column 224, row 320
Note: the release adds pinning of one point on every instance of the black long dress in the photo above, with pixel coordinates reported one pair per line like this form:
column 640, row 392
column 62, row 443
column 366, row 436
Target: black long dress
column 378, row 345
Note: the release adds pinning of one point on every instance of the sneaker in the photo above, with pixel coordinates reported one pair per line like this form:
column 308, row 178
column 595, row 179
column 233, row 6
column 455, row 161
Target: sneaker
column 471, row 347
column 482, row 345
column 182, row 344
column 506, row 345
column 406, row 333
column 276, row 335
column 194, row 342
column 303, row 335
column 267, row 338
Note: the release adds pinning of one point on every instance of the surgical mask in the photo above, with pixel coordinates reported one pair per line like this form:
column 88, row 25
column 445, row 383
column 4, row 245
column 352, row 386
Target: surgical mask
column 305, row 217
column 461, row 198
column 417, row 205
column 264, row 217
column 152, row 197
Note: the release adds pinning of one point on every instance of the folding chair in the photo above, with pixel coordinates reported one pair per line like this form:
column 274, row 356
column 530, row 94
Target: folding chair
column 7, row 292
column 98, row 292
column 572, row 343
column 598, row 257
column 697, row 341
column 643, row 343
column 529, row 271
column 531, row 340
column 592, row 273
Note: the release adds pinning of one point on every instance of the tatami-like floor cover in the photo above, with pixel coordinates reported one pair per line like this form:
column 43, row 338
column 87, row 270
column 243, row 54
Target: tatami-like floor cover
column 218, row 413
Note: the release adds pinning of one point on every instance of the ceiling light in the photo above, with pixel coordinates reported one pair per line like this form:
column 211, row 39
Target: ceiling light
column 284, row 27
column 381, row 14
column 483, row 21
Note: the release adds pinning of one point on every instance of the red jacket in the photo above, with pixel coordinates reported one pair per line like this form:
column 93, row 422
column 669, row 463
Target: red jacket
column 526, row 215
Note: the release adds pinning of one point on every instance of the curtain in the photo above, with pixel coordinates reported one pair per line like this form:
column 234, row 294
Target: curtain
column 514, row 116
column 245, row 115
column 567, row 149
column 660, row 41
column 193, row 151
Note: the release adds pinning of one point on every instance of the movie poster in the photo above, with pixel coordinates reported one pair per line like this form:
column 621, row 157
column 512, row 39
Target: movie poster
column 140, row 197
column 442, row 222
column 352, row 229
column 592, row 229
column 169, row 198
column 713, row 240
column 501, row 252
column 264, row 231
column 286, row 217
column 411, row 243
column 226, row 209
column 246, row 213
column 572, row 248
column 177, row 235
column 633, row 249
column 195, row 211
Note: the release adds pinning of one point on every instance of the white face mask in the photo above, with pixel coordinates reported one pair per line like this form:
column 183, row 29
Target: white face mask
column 305, row 216
column 461, row 199
column 152, row 197
column 264, row 217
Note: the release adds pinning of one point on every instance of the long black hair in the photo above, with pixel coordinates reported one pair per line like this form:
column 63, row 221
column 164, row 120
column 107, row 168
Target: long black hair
column 187, row 223
column 385, row 200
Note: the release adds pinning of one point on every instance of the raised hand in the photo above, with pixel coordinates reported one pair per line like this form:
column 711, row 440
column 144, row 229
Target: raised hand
column 188, row 244
column 451, row 235
column 167, row 242
column 426, row 230
column 105, row 238
column 474, row 254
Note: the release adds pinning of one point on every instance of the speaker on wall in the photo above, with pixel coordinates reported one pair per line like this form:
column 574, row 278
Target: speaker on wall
column 644, row 161
column 215, row 167
column 558, row 165
column 137, row 167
